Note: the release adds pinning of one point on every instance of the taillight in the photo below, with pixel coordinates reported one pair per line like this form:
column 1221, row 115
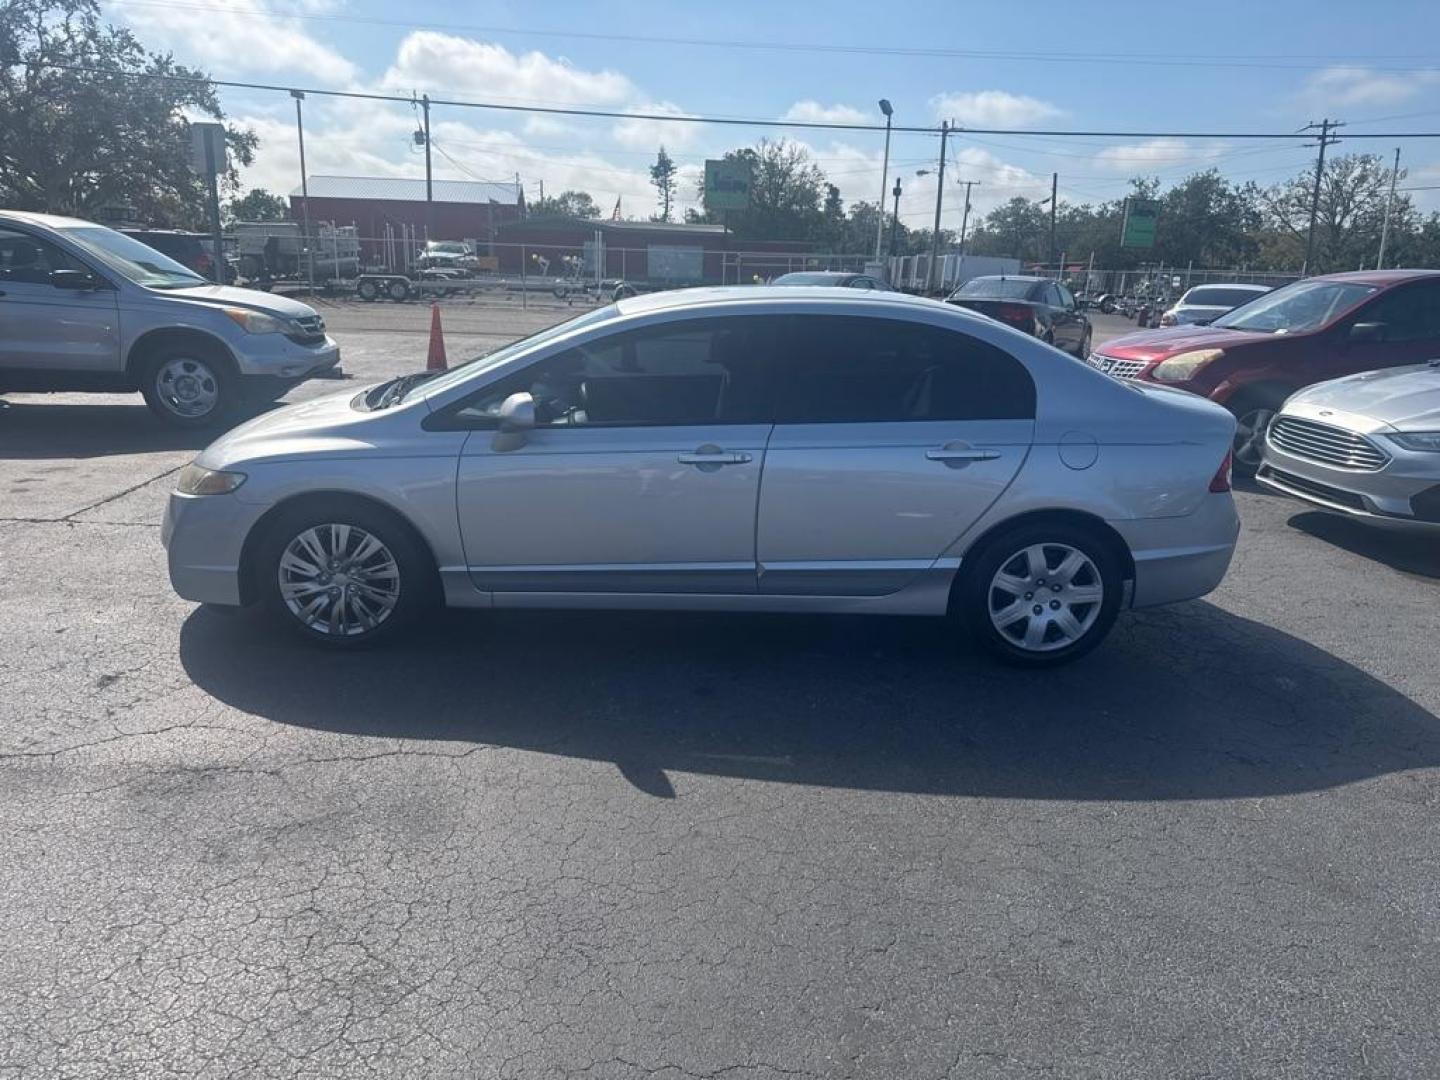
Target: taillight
column 1017, row 315
column 1221, row 480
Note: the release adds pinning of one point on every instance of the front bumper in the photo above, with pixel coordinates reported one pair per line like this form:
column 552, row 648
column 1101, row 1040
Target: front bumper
column 1403, row 494
column 274, row 356
column 204, row 538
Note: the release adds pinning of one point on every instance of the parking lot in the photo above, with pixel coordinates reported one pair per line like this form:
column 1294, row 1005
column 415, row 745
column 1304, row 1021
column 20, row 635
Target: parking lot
column 610, row 845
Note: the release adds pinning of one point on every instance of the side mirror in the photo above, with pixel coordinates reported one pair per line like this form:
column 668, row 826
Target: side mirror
column 517, row 420
column 1367, row 332
column 74, row 279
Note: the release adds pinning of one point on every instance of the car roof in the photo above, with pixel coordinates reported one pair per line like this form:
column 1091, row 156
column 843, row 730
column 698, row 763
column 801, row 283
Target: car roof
column 715, row 296
column 52, row 221
column 822, row 273
column 1007, row 277
column 1231, row 285
column 1379, row 277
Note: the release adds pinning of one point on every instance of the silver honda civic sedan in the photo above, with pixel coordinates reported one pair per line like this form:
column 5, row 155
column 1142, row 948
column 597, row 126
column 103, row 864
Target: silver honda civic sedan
column 745, row 449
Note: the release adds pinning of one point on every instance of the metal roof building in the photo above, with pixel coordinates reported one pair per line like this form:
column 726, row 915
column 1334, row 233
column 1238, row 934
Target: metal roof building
column 385, row 208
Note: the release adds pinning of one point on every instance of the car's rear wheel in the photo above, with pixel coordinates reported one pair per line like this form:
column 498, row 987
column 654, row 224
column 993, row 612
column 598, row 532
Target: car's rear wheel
column 189, row 386
column 1041, row 594
column 344, row 573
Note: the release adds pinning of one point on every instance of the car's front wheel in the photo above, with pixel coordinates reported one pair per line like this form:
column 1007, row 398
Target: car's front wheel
column 189, row 386
column 344, row 573
column 1253, row 413
column 1042, row 594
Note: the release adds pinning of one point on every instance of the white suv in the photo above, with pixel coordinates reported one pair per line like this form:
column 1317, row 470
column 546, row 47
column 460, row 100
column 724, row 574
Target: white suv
column 83, row 307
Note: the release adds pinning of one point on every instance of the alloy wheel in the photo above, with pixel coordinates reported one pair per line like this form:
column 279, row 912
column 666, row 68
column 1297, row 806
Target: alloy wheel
column 187, row 387
column 1045, row 597
column 339, row 580
column 1250, row 432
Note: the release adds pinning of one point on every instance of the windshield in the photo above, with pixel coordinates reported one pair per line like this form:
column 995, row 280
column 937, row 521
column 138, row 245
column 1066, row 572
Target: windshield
column 819, row 278
column 982, row 288
column 1218, row 296
column 132, row 259
column 1296, row 308
column 507, row 352
column 447, row 247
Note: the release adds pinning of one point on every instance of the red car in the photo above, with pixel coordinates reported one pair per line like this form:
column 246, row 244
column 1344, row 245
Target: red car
column 1251, row 359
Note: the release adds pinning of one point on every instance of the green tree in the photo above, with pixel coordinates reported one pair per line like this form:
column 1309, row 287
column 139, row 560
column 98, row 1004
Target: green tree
column 1017, row 229
column 79, row 141
column 257, row 205
column 575, row 204
column 662, row 175
column 1353, row 190
column 786, row 190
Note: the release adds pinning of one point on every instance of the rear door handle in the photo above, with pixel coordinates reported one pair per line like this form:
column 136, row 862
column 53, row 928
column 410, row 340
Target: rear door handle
column 945, row 453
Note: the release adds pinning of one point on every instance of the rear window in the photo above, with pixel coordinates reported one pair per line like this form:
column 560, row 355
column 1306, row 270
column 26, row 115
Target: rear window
column 806, row 279
column 995, row 289
column 1218, row 296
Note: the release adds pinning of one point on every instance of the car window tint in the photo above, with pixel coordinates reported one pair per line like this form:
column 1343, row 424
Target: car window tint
column 844, row 369
column 1066, row 300
column 1410, row 313
column 28, row 260
column 701, row 371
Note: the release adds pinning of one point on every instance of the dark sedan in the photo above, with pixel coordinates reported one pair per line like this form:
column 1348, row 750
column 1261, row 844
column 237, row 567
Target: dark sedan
column 1035, row 305
column 834, row 278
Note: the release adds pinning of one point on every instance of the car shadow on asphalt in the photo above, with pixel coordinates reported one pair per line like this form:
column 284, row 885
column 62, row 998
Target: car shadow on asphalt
column 64, row 430
column 1410, row 553
column 1189, row 702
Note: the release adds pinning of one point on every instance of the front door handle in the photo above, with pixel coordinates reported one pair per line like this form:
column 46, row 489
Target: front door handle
column 714, row 457
column 959, row 453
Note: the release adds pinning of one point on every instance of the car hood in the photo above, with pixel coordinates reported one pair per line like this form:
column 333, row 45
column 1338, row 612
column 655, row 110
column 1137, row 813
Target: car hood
column 1158, row 344
column 1406, row 398
column 229, row 296
column 324, row 425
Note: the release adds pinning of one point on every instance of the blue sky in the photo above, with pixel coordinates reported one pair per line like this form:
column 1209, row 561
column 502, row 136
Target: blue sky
column 1266, row 65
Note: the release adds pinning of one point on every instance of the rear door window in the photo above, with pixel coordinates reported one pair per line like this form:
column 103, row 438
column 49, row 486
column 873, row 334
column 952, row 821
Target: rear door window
column 853, row 369
column 1409, row 313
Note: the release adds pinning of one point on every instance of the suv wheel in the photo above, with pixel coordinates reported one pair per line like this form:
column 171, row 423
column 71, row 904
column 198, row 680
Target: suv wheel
column 1253, row 414
column 1083, row 352
column 343, row 574
column 1041, row 595
column 189, row 386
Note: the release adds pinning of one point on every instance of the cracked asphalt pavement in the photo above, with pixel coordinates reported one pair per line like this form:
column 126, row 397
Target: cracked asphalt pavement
column 626, row 845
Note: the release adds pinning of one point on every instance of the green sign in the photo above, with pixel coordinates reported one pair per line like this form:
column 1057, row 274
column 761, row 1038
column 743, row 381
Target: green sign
column 727, row 185
column 1138, row 231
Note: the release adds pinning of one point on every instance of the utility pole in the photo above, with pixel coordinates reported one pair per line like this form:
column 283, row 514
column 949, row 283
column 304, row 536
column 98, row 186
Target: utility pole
column 1389, row 205
column 889, row 111
column 299, row 96
column 895, row 218
column 939, row 201
column 1326, row 139
column 965, row 216
column 429, row 190
column 1054, row 189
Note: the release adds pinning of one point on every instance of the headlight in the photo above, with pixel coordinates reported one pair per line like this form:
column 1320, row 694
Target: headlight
column 1183, row 366
column 257, row 322
column 198, row 480
column 1417, row 440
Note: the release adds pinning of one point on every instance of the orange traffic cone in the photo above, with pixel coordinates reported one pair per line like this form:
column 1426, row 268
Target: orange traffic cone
column 435, row 358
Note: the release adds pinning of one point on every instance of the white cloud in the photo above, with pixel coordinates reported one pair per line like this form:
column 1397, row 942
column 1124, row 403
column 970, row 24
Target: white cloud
column 1358, row 87
column 812, row 112
column 427, row 60
column 546, row 125
column 992, row 108
column 231, row 36
column 641, row 134
column 1156, row 154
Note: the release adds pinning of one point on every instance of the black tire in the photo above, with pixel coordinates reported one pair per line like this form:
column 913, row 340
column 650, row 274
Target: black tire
column 1107, row 307
column 367, row 291
column 1253, row 410
column 417, row 584
column 177, row 381
column 976, row 596
column 398, row 290
column 1084, row 350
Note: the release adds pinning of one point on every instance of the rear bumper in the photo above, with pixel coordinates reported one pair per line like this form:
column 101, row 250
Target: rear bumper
column 1181, row 558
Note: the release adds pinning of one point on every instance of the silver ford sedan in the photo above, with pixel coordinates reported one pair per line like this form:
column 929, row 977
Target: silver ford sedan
column 745, row 449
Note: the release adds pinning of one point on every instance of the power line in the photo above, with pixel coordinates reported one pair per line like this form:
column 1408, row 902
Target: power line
column 1255, row 60
column 814, row 125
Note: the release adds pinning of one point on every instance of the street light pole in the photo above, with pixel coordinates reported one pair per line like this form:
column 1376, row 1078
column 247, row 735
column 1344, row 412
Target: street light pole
column 965, row 217
column 885, row 108
column 1389, row 205
column 939, row 202
column 299, row 96
column 895, row 218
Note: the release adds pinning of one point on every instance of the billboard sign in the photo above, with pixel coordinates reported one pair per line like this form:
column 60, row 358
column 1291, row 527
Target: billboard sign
column 727, row 185
column 1138, row 229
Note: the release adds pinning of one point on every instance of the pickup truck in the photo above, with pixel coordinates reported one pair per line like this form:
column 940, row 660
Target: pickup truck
column 85, row 308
